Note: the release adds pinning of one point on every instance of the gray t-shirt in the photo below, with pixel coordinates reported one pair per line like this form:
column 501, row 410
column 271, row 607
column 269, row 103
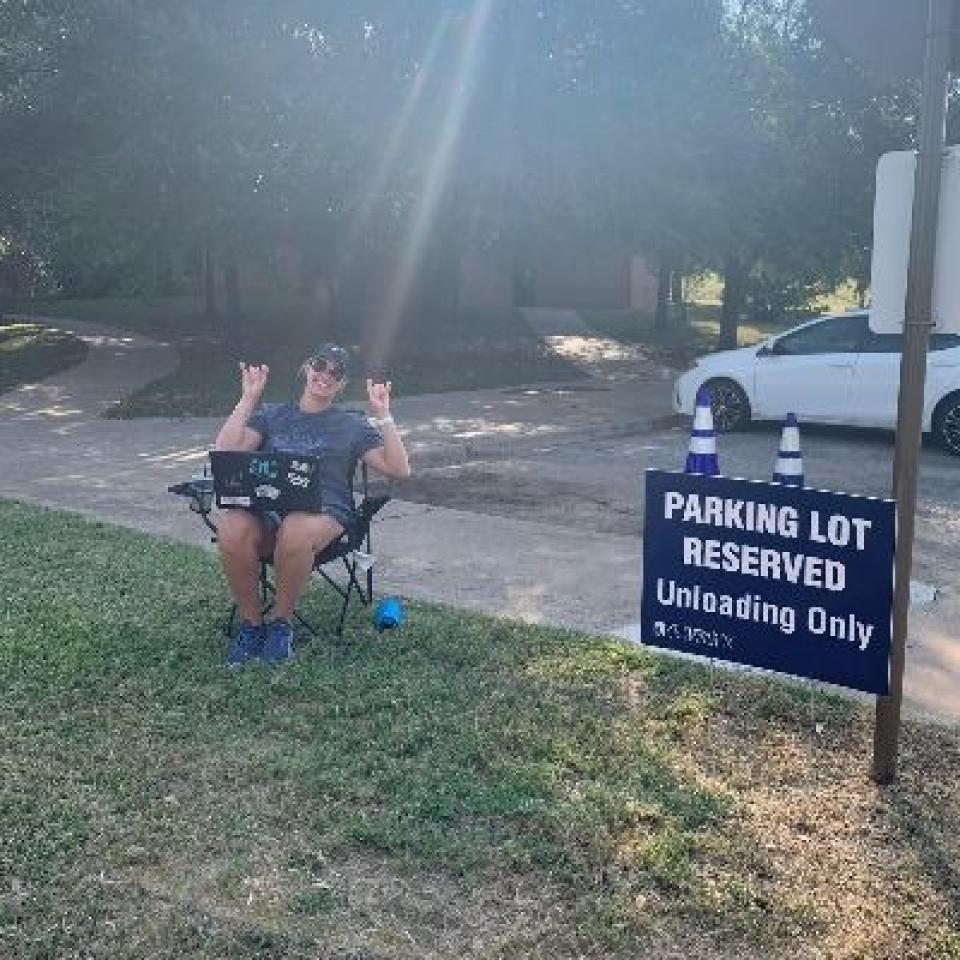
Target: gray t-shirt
column 338, row 437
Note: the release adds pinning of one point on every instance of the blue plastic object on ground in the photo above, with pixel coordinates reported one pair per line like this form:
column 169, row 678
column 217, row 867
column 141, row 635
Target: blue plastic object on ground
column 389, row 614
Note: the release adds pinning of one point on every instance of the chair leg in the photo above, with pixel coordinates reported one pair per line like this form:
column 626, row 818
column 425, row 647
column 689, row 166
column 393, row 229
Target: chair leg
column 268, row 595
column 306, row 624
column 343, row 616
column 354, row 586
column 268, row 591
column 352, row 582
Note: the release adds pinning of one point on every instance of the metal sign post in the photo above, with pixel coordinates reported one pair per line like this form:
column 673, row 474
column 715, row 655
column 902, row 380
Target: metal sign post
column 913, row 365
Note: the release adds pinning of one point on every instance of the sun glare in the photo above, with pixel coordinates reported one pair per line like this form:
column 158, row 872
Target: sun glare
column 398, row 135
column 434, row 183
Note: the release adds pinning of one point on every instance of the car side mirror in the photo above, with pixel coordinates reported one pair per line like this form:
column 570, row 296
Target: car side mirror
column 771, row 349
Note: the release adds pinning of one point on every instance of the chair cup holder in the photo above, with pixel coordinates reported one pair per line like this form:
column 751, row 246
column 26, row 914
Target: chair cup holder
column 363, row 560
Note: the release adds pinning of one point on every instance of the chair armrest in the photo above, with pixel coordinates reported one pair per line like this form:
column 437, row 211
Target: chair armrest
column 200, row 492
column 185, row 489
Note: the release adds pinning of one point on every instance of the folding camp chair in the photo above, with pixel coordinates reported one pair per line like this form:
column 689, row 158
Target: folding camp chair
column 354, row 549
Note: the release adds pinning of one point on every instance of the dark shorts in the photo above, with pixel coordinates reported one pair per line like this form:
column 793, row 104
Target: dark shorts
column 274, row 519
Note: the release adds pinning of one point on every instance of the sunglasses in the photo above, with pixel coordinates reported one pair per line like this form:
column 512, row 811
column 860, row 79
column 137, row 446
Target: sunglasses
column 332, row 369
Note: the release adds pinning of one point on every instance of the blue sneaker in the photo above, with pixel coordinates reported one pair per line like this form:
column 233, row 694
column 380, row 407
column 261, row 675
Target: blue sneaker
column 278, row 646
column 248, row 644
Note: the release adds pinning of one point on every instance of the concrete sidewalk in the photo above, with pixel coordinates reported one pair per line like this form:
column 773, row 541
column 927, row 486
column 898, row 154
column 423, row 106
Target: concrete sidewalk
column 69, row 457
column 572, row 559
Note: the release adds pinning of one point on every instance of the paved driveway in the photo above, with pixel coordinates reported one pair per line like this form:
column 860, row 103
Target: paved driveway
column 524, row 503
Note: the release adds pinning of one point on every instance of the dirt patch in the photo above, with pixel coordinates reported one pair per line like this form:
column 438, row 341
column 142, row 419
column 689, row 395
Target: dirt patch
column 355, row 908
column 870, row 871
column 514, row 489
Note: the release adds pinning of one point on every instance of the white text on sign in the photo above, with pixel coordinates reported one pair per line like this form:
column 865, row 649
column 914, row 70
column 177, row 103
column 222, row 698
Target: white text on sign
column 781, row 520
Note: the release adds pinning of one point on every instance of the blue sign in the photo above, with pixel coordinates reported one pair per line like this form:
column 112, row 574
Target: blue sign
column 785, row 578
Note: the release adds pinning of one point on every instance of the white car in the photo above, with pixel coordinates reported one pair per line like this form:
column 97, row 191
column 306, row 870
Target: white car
column 830, row 370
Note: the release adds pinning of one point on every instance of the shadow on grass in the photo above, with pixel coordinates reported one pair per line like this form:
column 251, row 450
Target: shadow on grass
column 430, row 353
column 207, row 381
column 460, row 747
column 29, row 353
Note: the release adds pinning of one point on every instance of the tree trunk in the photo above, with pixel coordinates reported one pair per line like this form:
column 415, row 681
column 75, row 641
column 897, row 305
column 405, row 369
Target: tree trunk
column 210, row 311
column 524, row 286
column 734, row 288
column 676, row 295
column 231, row 285
column 663, row 295
column 335, row 317
column 450, row 265
column 162, row 274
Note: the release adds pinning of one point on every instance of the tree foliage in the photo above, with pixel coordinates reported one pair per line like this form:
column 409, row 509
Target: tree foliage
column 809, row 129
column 383, row 138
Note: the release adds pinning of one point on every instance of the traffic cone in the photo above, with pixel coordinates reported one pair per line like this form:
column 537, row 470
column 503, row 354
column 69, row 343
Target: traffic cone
column 702, row 457
column 789, row 468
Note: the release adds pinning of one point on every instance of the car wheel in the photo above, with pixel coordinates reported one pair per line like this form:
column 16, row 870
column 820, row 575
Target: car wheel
column 730, row 406
column 946, row 424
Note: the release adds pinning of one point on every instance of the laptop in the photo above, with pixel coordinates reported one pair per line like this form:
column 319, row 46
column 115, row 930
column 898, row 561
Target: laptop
column 278, row 482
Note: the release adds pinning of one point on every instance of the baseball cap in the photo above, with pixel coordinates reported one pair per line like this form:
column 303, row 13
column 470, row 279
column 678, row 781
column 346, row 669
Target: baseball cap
column 328, row 356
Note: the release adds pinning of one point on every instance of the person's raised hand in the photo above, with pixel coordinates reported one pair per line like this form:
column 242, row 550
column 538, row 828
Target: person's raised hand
column 378, row 398
column 254, row 381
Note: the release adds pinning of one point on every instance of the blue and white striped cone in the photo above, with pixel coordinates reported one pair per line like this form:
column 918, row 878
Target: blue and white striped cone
column 789, row 467
column 702, row 457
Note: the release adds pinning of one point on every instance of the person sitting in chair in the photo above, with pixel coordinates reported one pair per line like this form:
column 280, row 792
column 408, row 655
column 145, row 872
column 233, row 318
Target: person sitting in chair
column 314, row 426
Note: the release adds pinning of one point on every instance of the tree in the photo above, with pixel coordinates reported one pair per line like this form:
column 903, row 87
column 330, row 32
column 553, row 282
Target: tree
column 381, row 141
column 799, row 171
column 165, row 128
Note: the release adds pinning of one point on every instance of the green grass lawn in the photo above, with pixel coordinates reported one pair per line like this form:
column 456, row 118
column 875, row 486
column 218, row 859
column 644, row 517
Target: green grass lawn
column 29, row 352
column 473, row 351
column 464, row 787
